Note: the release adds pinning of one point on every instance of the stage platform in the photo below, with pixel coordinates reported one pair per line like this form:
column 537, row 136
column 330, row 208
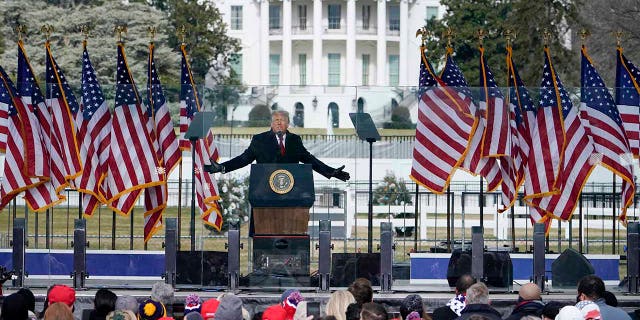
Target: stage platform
column 257, row 299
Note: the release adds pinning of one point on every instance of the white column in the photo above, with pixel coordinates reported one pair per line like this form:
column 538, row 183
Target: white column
column 286, row 44
column 381, row 52
column 317, row 43
column 264, row 42
column 405, row 52
column 351, row 43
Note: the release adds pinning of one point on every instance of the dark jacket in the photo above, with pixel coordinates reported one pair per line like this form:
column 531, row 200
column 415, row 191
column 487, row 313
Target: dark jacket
column 480, row 309
column 444, row 313
column 264, row 149
column 526, row 308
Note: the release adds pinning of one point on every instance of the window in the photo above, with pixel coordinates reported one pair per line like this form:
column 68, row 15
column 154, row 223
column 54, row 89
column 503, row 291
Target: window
column 235, row 62
column 274, row 17
column 274, row 69
column 298, row 117
column 394, row 18
column 365, row 69
column 334, row 114
column 302, row 63
column 334, row 69
column 302, row 16
column 394, row 70
column 366, row 15
column 236, row 17
column 334, row 16
column 432, row 13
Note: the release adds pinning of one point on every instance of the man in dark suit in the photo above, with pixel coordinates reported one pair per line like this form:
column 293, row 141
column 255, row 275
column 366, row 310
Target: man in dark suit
column 277, row 145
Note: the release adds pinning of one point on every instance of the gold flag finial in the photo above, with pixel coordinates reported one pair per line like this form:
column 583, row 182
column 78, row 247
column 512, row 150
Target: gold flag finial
column 46, row 29
column 619, row 35
column 181, row 32
column 151, row 32
column 449, row 34
column 424, row 33
column 509, row 35
column 546, row 36
column 21, row 29
column 119, row 30
column 584, row 33
column 481, row 34
column 84, row 29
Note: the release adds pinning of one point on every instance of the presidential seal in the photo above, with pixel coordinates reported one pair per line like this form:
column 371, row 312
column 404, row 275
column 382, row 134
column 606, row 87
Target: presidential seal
column 281, row 181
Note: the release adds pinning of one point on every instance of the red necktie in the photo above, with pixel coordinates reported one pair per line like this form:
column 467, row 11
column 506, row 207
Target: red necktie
column 281, row 146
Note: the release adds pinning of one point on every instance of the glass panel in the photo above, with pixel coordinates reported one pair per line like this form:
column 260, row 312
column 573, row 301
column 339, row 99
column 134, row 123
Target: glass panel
column 334, row 16
column 236, row 65
column 302, row 15
column 334, row 69
column 302, row 64
column 432, row 13
column 365, row 69
column 274, row 69
column 236, row 17
column 394, row 70
column 394, row 18
column 366, row 16
column 274, row 16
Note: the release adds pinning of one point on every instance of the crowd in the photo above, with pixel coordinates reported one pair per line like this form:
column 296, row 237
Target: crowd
column 471, row 302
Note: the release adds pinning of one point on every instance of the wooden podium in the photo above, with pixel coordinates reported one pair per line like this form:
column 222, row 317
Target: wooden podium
column 281, row 195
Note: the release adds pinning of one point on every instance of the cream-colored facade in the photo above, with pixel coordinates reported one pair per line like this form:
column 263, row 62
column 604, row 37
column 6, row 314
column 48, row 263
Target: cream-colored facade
column 321, row 60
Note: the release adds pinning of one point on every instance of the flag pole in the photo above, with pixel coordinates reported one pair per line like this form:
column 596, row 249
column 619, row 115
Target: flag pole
column 509, row 35
column 481, row 34
column 182, row 33
column 423, row 33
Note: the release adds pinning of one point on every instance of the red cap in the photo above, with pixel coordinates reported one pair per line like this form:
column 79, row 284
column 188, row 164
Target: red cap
column 275, row 312
column 62, row 293
column 208, row 309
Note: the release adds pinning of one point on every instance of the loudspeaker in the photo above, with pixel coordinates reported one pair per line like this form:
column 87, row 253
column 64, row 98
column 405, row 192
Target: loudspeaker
column 570, row 267
column 280, row 261
column 201, row 268
column 497, row 266
column 347, row 267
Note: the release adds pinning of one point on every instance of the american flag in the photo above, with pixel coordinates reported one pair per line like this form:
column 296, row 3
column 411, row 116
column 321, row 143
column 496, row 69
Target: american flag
column 523, row 114
column 14, row 179
column 628, row 99
column 473, row 162
column 548, row 138
column 94, row 133
column 205, row 149
column 497, row 132
column 606, row 129
column 498, row 139
column 576, row 155
column 442, row 131
column 166, row 144
column 132, row 162
column 44, row 160
column 64, row 107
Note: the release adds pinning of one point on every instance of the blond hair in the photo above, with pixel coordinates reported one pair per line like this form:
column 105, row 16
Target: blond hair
column 58, row 311
column 338, row 303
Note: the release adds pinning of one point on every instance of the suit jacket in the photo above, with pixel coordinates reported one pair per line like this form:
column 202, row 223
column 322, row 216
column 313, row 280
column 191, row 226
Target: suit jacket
column 264, row 148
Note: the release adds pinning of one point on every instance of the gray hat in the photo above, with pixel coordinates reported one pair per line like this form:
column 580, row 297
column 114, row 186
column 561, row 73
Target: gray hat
column 193, row 316
column 230, row 308
column 127, row 302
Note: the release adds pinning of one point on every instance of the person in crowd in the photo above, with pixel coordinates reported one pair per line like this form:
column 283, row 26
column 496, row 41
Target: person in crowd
column 274, row 312
column 62, row 293
column 30, row 300
column 591, row 288
column 610, row 298
column 14, row 307
column 373, row 311
column 589, row 310
column 208, row 308
column 151, row 309
column 411, row 303
column 289, row 301
column 193, row 316
column 338, row 302
column 103, row 303
column 569, row 313
column 121, row 315
column 301, row 312
column 478, row 303
column 353, row 311
column 58, row 311
column 163, row 293
column 127, row 302
column 551, row 310
column 361, row 290
column 529, row 302
column 192, row 303
column 230, row 308
column 454, row 307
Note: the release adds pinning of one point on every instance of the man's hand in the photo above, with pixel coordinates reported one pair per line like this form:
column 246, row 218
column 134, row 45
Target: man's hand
column 213, row 167
column 340, row 175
